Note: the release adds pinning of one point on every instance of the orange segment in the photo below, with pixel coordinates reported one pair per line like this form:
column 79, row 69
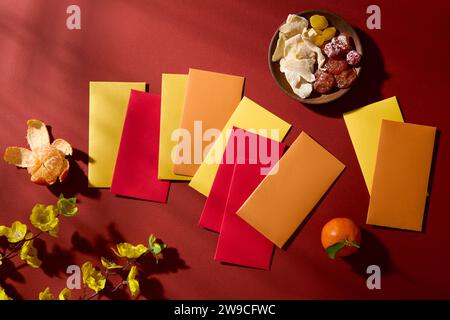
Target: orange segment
column 64, row 171
column 51, row 163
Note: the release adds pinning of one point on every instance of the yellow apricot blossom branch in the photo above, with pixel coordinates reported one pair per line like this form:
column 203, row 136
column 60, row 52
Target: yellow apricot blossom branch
column 20, row 239
column 96, row 280
column 46, row 220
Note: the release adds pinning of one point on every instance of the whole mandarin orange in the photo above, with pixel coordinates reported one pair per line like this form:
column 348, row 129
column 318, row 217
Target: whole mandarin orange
column 340, row 237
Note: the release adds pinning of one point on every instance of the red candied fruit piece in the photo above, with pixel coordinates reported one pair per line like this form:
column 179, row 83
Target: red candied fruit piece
column 336, row 66
column 353, row 58
column 346, row 78
column 325, row 82
column 331, row 50
column 343, row 42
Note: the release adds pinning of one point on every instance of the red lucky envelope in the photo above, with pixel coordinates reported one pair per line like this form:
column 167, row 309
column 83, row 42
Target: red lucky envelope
column 240, row 139
column 136, row 169
column 212, row 214
column 239, row 243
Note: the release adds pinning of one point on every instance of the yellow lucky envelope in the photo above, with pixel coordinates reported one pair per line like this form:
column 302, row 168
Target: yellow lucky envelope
column 364, row 125
column 108, row 103
column 173, row 88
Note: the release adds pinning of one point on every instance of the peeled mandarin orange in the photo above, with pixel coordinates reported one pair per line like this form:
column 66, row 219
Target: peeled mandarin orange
column 45, row 162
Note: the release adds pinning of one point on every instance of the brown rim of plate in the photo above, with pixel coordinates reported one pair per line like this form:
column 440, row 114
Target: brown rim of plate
column 341, row 26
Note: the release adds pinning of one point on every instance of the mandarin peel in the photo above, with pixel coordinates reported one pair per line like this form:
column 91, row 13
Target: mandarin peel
column 45, row 162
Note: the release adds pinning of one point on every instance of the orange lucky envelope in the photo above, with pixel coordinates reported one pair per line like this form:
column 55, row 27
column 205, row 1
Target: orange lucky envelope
column 399, row 189
column 284, row 199
column 209, row 102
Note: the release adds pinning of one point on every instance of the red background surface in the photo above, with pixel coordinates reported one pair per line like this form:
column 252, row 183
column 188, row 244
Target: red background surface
column 44, row 73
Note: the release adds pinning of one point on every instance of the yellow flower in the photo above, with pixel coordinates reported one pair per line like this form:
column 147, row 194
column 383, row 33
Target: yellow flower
column 17, row 232
column 45, row 219
column 3, row 295
column 28, row 253
column 46, row 294
column 127, row 250
column 133, row 284
column 65, row 294
column 4, row 230
column 54, row 232
column 93, row 278
column 110, row 264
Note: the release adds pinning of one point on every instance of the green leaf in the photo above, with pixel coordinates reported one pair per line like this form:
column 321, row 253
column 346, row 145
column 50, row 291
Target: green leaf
column 333, row 250
column 156, row 247
column 67, row 206
column 151, row 241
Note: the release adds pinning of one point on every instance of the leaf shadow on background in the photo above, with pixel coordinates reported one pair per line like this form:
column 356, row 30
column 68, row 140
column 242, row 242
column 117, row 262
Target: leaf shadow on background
column 101, row 246
column 54, row 264
column 10, row 270
column 76, row 181
column 150, row 287
column 372, row 252
column 56, row 261
column 11, row 291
